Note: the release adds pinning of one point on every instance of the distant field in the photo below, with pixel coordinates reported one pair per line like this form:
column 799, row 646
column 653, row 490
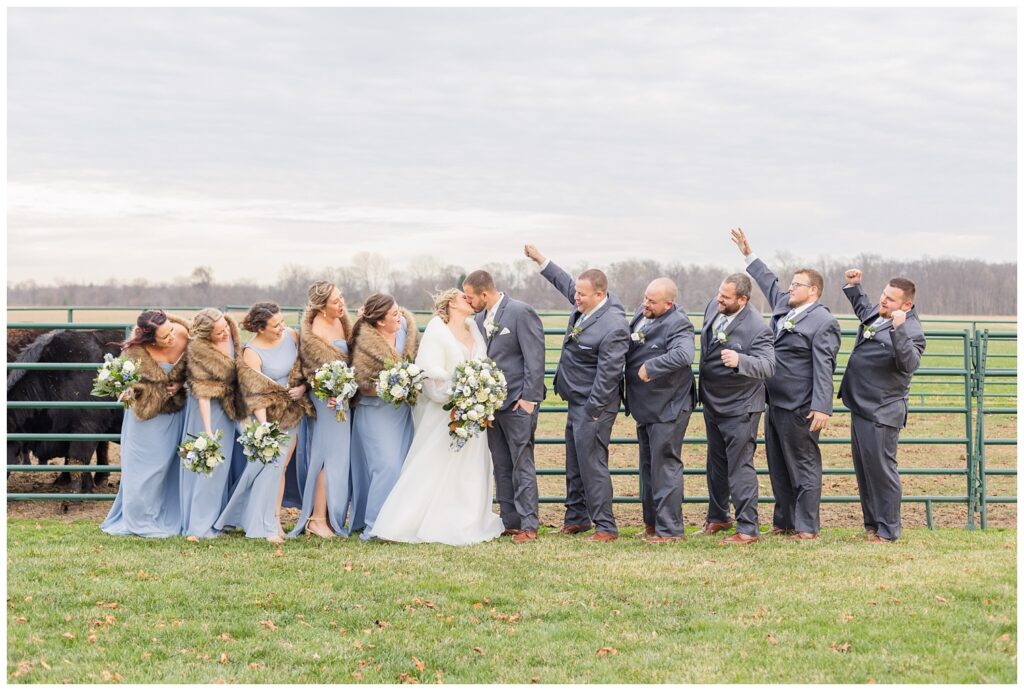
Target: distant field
column 927, row 390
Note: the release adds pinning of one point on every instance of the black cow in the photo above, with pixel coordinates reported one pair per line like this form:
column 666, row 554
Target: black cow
column 63, row 345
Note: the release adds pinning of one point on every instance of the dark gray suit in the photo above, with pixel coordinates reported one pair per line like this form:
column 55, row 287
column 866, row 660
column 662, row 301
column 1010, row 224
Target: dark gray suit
column 805, row 361
column 733, row 401
column 661, row 408
column 587, row 378
column 875, row 388
column 516, row 344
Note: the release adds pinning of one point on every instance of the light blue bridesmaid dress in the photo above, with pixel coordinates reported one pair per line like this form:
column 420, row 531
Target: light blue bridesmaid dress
column 381, row 437
column 252, row 506
column 148, row 502
column 203, row 497
column 328, row 450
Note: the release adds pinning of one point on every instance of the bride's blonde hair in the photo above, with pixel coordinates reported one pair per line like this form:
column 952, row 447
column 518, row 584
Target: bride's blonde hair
column 442, row 301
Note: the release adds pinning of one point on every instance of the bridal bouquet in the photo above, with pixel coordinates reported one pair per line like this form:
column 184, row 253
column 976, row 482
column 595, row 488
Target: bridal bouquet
column 400, row 382
column 202, row 453
column 116, row 375
column 335, row 380
column 263, row 441
column 477, row 391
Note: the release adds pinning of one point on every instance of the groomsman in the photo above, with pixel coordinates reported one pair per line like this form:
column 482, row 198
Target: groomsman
column 800, row 393
column 587, row 378
column 660, row 394
column 515, row 341
column 736, row 357
column 875, row 387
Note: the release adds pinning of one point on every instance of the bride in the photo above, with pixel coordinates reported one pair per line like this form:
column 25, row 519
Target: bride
column 442, row 495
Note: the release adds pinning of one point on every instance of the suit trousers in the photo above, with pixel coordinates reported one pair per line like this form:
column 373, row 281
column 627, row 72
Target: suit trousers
column 731, row 443
column 515, row 476
column 588, row 484
column 878, row 480
column 661, row 473
column 794, row 465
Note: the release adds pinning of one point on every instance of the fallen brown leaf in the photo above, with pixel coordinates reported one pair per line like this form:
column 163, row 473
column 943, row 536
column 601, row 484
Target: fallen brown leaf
column 419, row 664
column 68, row 635
column 268, row 624
column 192, row 538
column 223, row 658
column 941, row 599
column 478, row 650
column 225, row 636
column 601, row 652
column 44, row 664
column 407, row 678
column 840, row 647
column 21, row 620
column 772, row 640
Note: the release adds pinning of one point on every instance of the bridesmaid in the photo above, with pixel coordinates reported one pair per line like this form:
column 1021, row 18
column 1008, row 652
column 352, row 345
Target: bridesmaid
column 148, row 502
column 324, row 338
column 214, row 403
column 270, row 378
column 381, row 433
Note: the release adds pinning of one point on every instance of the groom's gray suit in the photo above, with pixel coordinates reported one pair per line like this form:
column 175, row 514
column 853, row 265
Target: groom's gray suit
column 587, row 378
column 875, row 388
column 661, row 408
column 805, row 360
column 516, row 344
column 733, row 401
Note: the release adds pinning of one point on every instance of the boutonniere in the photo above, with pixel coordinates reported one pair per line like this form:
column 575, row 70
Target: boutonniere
column 721, row 337
column 574, row 333
column 491, row 328
column 638, row 337
column 788, row 325
column 869, row 333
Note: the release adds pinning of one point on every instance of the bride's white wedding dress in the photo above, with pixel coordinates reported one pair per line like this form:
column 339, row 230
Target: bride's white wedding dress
column 441, row 495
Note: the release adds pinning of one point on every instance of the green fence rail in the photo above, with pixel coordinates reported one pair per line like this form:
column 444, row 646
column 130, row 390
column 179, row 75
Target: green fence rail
column 967, row 383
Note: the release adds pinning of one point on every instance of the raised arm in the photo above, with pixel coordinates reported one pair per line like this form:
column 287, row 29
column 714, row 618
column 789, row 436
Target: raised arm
column 765, row 278
column 862, row 306
column 563, row 282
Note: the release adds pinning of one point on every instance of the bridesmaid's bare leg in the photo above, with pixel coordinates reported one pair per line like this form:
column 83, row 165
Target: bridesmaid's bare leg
column 280, row 490
column 318, row 524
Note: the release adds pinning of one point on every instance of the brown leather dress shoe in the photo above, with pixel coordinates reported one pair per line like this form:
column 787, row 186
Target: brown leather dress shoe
column 781, row 531
column 648, row 529
column 878, row 538
column 661, row 539
column 601, row 537
column 868, row 532
column 510, row 531
column 712, row 527
column 740, row 539
column 525, row 536
column 572, row 529
column 804, row 536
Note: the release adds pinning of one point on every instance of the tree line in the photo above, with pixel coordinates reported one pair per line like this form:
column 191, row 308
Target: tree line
column 946, row 286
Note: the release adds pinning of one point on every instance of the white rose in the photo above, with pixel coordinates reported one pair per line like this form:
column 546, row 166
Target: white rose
column 261, row 432
column 269, row 452
column 461, row 432
column 200, row 443
column 397, row 391
column 211, row 462
column 413, row 370
column 481, row 396
column 103, row 375
column 473, row 415
column 128, row 367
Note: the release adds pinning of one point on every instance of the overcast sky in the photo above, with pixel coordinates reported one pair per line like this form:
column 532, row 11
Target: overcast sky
column 145, row 142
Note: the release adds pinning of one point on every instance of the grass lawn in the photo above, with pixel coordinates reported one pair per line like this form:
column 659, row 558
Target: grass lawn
column 84, row 607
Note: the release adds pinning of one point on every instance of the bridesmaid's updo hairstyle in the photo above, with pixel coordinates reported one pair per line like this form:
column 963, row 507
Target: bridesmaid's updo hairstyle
column 442, row 301
column 145, row 328
column 202, row 323
column 258, row 316
column 318, row 294
column 373, row 311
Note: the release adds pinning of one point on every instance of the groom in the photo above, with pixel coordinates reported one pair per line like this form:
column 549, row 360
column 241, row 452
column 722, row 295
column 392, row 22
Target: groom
column 515, row 341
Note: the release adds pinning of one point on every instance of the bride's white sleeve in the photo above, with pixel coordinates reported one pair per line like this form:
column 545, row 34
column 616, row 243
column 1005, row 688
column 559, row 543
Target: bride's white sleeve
column 431, row 359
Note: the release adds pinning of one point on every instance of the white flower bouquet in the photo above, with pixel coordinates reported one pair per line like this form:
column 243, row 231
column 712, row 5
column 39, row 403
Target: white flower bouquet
column 263, row 441
column 477, row 391
column 400, row 382
column 202, row 453
column 335, row 380
column 116, row 375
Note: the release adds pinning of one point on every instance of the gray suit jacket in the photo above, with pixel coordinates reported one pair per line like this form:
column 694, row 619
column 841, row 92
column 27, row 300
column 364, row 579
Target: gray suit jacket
column 590, row 366
column 877, row 380
column 805, row 356
column 738, row 390
column 517, row 347
column 667, row 352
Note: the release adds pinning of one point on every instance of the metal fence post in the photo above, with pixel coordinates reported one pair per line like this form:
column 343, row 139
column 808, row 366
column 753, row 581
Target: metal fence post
column 969, row 425
column 980, row 433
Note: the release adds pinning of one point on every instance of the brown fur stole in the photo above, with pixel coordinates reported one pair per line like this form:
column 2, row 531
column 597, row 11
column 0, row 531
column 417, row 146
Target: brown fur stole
column 212, row 374
column 315, row 351
column 370, row 351
column 150, row 393
column 260, row 391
